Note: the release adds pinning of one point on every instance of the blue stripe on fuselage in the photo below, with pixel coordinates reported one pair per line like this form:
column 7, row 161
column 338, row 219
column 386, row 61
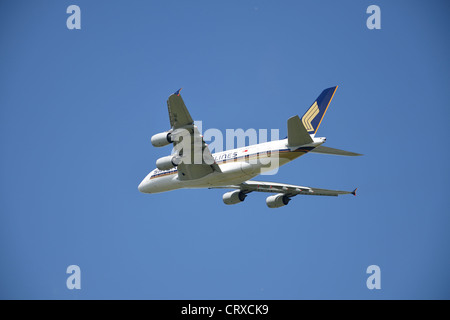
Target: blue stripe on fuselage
column 160, row 173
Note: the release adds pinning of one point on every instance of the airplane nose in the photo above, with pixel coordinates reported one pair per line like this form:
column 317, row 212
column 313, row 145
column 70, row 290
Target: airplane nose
column 146, row 186
column 141, row 186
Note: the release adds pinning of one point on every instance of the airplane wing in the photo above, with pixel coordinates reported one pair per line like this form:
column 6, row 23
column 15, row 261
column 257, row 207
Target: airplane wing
column 198, row 160
column 178, row 114
column 287, row 189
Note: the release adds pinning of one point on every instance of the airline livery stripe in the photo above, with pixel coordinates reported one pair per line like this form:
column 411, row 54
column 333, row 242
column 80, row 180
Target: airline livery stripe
column 285, row 154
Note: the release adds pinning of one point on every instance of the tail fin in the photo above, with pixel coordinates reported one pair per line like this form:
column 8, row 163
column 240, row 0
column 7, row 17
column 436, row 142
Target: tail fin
column 313, row 117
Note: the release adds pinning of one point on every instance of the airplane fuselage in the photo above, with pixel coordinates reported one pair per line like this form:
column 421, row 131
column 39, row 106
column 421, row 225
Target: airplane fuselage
column 236, row 165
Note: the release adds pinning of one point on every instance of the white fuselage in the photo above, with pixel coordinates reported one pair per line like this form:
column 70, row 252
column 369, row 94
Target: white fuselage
column 237, row 166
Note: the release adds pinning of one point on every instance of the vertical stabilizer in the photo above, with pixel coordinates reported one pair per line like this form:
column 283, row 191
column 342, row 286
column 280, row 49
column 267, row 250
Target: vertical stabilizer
column 313, row 117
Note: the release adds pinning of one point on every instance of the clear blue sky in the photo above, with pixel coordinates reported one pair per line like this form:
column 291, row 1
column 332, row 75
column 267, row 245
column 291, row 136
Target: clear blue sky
column 78, row 108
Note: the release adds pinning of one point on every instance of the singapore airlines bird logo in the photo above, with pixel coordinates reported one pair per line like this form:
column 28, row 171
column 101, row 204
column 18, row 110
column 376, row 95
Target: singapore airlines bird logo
column 309, row 116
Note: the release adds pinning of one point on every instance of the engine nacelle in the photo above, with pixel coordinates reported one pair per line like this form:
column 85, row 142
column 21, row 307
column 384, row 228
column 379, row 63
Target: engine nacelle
column 277, row 200
column 161, row 139
column 168, row 162
column 234, row 197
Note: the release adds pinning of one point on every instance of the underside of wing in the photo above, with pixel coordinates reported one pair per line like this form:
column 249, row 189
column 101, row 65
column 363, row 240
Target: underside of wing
column 287, row 189
column 195, row 158
column 178, row 113
column 282, row 193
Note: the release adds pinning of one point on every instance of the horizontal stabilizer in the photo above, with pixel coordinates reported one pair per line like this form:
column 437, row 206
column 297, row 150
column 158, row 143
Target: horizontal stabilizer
column 328, row 150
column 297, row 134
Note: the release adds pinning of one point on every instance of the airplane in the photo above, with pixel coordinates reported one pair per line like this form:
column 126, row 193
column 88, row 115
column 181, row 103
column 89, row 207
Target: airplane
column 234, row 169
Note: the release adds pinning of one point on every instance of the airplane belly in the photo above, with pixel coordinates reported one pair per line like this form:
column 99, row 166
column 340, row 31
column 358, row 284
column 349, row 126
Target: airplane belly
column 235, row 172
column 237, row 169
column 249, row 169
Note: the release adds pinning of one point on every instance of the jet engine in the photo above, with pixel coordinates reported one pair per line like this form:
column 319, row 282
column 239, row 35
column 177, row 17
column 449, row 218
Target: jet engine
column 234, row 197
column 168, row 162
column 161, row 139
column 277, row 200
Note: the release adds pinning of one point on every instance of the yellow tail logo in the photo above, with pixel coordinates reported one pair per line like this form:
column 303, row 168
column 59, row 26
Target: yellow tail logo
column 309, row 116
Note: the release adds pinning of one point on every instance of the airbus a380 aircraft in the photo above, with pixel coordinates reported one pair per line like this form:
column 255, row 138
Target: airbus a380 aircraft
column 233, row 169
